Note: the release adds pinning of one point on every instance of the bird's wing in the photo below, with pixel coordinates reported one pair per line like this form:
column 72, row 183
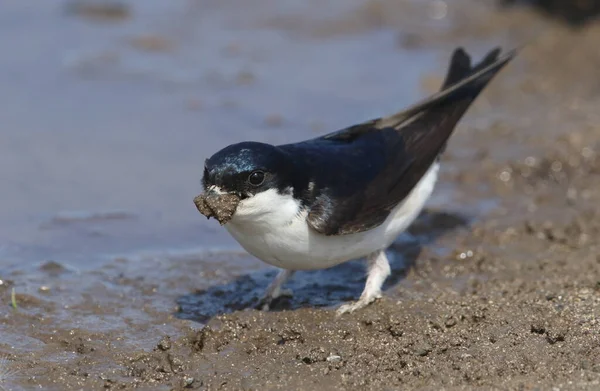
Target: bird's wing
column 396, row 151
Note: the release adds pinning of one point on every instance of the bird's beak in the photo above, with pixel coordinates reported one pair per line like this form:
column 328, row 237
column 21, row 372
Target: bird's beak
column 221, row 206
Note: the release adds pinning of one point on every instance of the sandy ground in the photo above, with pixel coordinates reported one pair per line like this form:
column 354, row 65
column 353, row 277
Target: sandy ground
column 500, row 291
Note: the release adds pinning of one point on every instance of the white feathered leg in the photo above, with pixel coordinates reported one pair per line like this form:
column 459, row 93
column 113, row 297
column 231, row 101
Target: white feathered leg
column 378, row 271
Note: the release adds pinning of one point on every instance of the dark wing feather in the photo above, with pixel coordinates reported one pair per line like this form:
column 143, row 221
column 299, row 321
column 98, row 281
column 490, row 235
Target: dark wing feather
column 396, row 152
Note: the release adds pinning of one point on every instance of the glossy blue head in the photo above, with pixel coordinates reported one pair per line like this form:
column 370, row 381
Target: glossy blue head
column 247, row 168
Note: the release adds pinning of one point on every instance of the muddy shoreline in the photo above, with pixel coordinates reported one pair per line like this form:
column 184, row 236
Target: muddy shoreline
column 499, row 291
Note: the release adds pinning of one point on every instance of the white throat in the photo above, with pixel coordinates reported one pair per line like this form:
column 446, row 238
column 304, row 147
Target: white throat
column 267, row 210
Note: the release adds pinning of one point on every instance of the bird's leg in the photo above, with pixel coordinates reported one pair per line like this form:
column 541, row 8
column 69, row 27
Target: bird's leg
column 274, row 289
column 378, row 271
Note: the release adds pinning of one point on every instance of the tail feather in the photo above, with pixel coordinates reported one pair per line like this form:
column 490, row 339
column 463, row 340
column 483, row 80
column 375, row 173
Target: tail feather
column 425, row 128
column 462, row 82
column 460, row 66
column 462, row 85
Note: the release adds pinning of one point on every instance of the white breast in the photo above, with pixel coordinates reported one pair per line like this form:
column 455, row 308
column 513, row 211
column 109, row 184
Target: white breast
column 272, row 227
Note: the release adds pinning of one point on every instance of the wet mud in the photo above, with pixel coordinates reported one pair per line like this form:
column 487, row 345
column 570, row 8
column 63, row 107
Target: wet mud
column 222, row 208
column 496, row 286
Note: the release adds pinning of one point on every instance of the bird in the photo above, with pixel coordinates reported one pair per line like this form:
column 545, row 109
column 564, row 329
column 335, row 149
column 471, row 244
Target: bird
column 345, row 195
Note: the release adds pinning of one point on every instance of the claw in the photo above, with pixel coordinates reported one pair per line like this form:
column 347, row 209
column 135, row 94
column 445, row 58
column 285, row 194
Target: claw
column 349, row 308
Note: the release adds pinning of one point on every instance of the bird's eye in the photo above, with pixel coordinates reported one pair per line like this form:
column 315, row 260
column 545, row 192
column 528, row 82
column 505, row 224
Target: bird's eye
column 256, row 178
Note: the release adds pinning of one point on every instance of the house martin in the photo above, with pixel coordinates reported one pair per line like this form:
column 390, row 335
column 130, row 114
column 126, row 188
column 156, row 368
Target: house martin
column 345, row 195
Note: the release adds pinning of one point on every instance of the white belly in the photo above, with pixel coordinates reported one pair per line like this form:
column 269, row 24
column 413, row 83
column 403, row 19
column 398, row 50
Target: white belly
column 272, row 228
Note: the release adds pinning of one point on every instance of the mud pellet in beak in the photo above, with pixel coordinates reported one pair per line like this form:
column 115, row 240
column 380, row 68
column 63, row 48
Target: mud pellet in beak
column 220, row 206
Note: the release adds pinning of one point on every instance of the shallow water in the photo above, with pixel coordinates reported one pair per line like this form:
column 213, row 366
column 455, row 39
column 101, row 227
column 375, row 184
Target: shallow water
column 106, row 124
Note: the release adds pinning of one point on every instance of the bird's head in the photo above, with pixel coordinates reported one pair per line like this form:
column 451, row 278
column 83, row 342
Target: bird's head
column 238, row 173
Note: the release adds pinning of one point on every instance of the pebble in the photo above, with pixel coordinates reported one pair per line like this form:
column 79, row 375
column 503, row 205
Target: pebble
column 165, row 343
column 450, row 322
column 423, row 349
column 187, row 381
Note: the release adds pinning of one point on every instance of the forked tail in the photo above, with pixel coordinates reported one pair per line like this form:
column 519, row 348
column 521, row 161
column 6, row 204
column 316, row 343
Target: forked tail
column 462, row 85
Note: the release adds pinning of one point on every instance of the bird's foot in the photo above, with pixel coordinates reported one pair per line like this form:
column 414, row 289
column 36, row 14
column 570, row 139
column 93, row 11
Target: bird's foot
column 266, row 302
column 379, row 270
column 364, row 301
